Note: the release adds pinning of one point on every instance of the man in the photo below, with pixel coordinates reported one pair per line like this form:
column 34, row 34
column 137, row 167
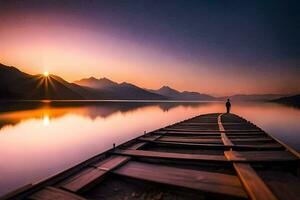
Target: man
column 228, row 106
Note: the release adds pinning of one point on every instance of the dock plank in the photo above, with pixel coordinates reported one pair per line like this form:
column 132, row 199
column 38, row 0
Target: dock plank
column 83, row 180
column 187, row 133
column 256, row 156
column 220, row 146
column 167, row 155
column 266, row 139
column 254, row 185
column 193, row 179
column 50, row 193
column 89, row 176
column 215, row 130
column 137, row 145
column 226, row 141
column 111, row 162
column 192, row 140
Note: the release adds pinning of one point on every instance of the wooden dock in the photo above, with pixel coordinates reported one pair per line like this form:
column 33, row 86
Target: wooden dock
column 212, row 156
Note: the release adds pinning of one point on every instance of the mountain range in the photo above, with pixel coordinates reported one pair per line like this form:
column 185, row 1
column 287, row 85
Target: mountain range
column 171, row 93
column 17, row 85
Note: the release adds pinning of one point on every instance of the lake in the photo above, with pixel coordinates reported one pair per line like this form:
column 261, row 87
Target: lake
column 40, row 139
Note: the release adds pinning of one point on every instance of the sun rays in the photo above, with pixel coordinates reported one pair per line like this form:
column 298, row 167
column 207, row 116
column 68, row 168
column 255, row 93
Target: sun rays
column 45, row 80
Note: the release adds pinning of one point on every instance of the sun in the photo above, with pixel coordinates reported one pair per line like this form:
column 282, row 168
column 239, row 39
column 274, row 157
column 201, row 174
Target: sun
column 46, row 74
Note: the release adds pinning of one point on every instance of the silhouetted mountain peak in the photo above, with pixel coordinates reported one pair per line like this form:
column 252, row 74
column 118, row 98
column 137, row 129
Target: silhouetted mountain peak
column 11, row 70
column 176, row 95
column 93, row 82
column 167, row 91
column 106, row 80
column 165, row 87
column 92, row 78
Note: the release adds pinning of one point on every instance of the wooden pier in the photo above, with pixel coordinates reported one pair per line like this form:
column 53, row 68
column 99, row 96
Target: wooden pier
column 212, row 156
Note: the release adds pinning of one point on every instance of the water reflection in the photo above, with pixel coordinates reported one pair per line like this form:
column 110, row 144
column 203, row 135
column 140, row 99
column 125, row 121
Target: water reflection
column 38, row 140
column 14, row 113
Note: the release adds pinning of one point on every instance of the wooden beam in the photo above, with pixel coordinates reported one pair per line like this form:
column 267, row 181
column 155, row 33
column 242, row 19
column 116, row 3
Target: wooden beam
column 254, row 185
column 220, row 146
column 260, row 156
column 82, row 180
column 225, row 139
column 187, row 140
column 265, row 139
column 90, row 176
column 50, row 193
column 199, row 180
column 167, row 155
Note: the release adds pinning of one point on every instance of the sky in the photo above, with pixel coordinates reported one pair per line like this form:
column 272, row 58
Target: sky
column 216, row 47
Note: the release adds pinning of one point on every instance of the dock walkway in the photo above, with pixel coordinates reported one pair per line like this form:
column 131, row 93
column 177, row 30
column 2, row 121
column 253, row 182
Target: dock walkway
column 212, row 156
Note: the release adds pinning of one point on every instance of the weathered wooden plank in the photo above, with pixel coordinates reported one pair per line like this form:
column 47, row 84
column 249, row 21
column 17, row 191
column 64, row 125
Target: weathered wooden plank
column 89, row 176
column 209, row 123
column 83, row 179
column 189, row 130
column 191, row 140
column 199, row 180
column 265, row 139
column 226, row 140
column 224, row 137
column 247, row 136
column 111, row 162
column 260, row 146
column 187, row 133
column 246, row 133
column 50, row 193
column 151, row 137
column 216, row 130
column 137, row 145
column 253, row 184
column 192, row 136
column 256, row 156
column 202, row 127
column 167, row 155
column 195, row 145
column 220, row 146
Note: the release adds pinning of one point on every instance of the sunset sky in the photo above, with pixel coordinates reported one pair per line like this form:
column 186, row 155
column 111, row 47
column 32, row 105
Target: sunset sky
column 215, row 47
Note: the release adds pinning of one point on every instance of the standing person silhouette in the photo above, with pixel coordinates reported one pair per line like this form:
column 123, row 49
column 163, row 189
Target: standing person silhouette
column 228, row 106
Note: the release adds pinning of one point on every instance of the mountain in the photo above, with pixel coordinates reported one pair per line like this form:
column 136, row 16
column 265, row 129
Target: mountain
column 92, row 82
column 173, row 94
column 290, row 100
column 119, row 91
column 251, row 97
column 15, row 84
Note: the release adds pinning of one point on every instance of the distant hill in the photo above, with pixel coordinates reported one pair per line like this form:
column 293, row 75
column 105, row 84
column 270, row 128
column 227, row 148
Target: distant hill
column 291, row 100
column 251, row 97
column 173, row 94
column 119, row 91
column 15, row 84
column 92, row 82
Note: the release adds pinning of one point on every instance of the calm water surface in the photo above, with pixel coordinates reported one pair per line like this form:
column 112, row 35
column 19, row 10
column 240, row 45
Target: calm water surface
column 41, row 139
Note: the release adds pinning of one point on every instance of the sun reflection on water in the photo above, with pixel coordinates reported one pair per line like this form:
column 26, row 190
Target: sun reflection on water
column 46, row 120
